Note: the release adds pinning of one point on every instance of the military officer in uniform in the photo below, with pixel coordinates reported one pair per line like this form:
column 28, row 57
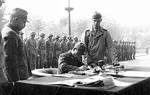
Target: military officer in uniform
column 49, row 50
column 72, row 60
column 42, row 51
column 134, row 49
column 56, row 52
column 15, row 66
column 31, row 47
column 69, row 43
column 97, row 40
column 63, row 44
column 75, row 41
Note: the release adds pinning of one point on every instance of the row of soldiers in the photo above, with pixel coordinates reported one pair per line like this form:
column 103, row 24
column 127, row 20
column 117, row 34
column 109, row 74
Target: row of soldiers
column 44, row 53
column 125, row 50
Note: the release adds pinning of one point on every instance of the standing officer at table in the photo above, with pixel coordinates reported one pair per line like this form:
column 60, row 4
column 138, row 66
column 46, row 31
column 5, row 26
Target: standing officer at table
column 97, row 40
column 15, row 66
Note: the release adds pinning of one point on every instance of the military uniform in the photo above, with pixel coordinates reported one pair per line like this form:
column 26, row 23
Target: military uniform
column 63, row 45
column 67, row 62
column 42, row 53
column 31, row 47
column 75, row 41
column 49, row 49
column 56, row 52
column 15, row 66
column 134, row 49
column 69, row 44
column 97, row 45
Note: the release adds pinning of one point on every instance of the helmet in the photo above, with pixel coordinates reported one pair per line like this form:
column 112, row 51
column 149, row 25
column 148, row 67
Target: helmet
column 97, row 16
column 42, row 34
column 33, row 33
column 50, row 35
column 57, row 37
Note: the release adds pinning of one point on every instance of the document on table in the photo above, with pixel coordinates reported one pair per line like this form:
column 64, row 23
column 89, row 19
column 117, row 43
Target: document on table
column 120, row 83
column 63, row 75
column 131, row 73
column 94, row 80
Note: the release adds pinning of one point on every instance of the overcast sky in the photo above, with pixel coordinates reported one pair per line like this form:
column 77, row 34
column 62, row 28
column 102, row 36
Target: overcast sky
column 124, row 12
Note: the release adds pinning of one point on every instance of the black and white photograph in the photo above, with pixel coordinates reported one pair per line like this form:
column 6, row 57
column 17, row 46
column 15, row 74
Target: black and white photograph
column 74, row 47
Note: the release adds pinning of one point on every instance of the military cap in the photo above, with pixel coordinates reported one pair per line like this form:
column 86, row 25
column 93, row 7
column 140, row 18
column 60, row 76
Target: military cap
column 19, row 13
column 96, row 15
column 33, row 33
column 80, row 46
column 42, row 34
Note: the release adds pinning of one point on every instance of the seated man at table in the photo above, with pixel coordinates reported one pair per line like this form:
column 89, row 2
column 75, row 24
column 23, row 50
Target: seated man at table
column 72, row 60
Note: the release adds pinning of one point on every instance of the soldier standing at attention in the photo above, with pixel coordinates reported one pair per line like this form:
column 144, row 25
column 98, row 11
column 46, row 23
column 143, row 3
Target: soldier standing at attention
column 42, row 51
column 31, row 47
column 97, row 40
column 56, row 52
column 75, row 41
column 134, row 49
column 49, row 50
column 15, row 66
column 69, row 43
column 63, row 44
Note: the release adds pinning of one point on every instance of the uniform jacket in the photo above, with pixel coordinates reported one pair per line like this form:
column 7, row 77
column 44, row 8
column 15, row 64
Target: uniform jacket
column 97, row 45
column 15, row 66
column 67, row 62
column 49, row 45
column 63, row 46
column 31, row 46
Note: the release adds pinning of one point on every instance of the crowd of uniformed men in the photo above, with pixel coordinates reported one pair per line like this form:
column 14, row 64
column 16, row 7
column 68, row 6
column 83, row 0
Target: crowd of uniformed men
column 125, row 50
column 43, row 53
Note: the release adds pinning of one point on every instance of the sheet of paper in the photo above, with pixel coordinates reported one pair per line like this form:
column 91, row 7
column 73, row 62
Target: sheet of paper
column 120, row 83
column 131, row 73
column 89, row 80
column 63, row 75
